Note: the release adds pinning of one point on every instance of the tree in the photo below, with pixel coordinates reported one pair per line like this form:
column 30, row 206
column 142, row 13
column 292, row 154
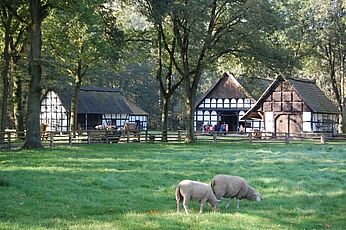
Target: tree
column 79, row 39
column 157, row 11
column 14, row 17
column 6, row 19
column 38, row 12
column 204, row 31
column 330, row 30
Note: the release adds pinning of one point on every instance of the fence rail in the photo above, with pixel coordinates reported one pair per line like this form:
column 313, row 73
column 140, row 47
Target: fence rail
column 15, row 140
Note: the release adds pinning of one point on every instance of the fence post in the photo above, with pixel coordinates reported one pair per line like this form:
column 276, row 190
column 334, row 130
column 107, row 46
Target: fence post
column 70, row 137
column 179, row 135
column 323, row 139
column 51, row 137
column 287, row 138
column 250, row 137
column 88, row 136
column 146, row 135
column 214, row 137
column 127, row 137
column 106, row 139
column 9, row 140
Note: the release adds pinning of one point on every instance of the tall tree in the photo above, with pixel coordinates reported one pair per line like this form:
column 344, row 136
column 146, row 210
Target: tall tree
column 6, row 19
column 156, row 12
column 204, row 31
column 331, row 42
column 89, row 41
column 38, row 12
column 14, row 25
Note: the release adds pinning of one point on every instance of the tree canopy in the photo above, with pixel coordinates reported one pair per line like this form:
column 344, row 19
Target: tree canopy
column 162, row 53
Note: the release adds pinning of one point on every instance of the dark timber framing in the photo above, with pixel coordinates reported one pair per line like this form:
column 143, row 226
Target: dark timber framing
column 224, row 102
column 96, row 106
column 293, row 105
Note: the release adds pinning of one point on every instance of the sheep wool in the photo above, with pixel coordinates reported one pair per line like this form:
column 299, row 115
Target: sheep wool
column 233, row 187
column 193, row 190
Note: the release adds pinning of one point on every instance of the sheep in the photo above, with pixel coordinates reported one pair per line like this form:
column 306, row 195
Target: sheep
column 188, row 189
column 233, row 186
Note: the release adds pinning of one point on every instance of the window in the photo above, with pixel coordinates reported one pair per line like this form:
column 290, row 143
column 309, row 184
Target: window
column 219, row 103
column 233, row 103
column 247, row 103
column 207, row 103
column 226, row 103
column 213, row 103
column 240, row 103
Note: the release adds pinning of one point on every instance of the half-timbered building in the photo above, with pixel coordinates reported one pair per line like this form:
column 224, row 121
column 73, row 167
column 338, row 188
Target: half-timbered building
column 96, row 107
column 222, row 105
column 293, row 105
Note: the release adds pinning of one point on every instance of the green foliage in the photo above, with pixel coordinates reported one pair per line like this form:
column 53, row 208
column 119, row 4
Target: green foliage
column 80, row 33
column 131, row 186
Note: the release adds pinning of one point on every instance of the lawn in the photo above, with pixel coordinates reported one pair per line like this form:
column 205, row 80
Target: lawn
column 131, row 186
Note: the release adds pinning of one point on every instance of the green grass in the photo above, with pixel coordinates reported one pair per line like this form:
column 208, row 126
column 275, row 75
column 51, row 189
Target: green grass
column 131, row 186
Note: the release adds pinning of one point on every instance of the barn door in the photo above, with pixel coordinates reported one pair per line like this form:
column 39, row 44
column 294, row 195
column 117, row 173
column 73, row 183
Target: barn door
column 288, row 123
column 281, row 123
column 296, row 124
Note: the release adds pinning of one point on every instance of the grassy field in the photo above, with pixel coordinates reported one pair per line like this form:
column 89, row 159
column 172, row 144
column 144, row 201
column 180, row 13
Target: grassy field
column 131, row 186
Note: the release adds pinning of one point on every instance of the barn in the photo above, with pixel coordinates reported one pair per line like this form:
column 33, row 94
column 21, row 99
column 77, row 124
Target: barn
column 96, row 106
column 223, row 104
column 293, row 105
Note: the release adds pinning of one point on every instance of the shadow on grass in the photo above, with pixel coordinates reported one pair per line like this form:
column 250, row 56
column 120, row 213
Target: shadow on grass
column 133, row 187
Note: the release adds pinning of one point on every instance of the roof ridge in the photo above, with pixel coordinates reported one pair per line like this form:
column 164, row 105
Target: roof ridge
column 302, row 79
column 98, row 89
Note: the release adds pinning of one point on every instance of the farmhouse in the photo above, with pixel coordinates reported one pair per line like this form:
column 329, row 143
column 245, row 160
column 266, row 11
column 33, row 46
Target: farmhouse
column 96, row 106
column 294, row 105
column 223, row 104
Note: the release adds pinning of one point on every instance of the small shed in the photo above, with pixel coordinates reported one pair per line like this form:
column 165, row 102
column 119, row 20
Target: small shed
column 96, row 106
column 293, row 105
column 223, row 104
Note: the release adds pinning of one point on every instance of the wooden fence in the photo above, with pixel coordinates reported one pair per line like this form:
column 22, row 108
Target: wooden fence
column 15, row 140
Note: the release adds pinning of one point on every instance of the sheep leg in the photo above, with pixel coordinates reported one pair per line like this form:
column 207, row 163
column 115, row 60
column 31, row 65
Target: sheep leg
column 178, row 205
column 186, row 204
column 201, row 207
column 238, row 203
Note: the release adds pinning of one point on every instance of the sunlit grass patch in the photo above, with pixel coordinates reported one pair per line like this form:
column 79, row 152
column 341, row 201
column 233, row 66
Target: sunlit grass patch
column 131, row 186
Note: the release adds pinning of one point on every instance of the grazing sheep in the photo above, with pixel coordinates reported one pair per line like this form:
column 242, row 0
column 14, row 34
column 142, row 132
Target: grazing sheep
column 233, row 186
column 188, row 189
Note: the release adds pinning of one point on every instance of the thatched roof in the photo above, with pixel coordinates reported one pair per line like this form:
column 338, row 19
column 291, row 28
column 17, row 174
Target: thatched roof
column 97, row 100
column 308, row 91
column 313, row 96
column 225, row 87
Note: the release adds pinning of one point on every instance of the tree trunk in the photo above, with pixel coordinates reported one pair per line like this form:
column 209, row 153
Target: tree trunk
column 5, row 77
column 33, row 139
column 74, row 100
column 190, row 98
column 164, row 116
column 18, row 104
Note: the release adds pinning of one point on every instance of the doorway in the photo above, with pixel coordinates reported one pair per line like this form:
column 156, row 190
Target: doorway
column 231, row 119
column 288, row 123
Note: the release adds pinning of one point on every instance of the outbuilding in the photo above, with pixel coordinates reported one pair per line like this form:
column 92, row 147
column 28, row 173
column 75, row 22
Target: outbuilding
column 293, row 105
column 222, row 106
column 96, row 107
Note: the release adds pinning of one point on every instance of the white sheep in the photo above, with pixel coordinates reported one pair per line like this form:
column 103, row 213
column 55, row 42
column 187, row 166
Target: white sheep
column 191, row 190
column 233, row 186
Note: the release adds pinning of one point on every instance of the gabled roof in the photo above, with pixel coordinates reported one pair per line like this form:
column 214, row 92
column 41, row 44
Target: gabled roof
column 308, row 91
column 313, row 96
column 225, row 87
column 98, row 100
